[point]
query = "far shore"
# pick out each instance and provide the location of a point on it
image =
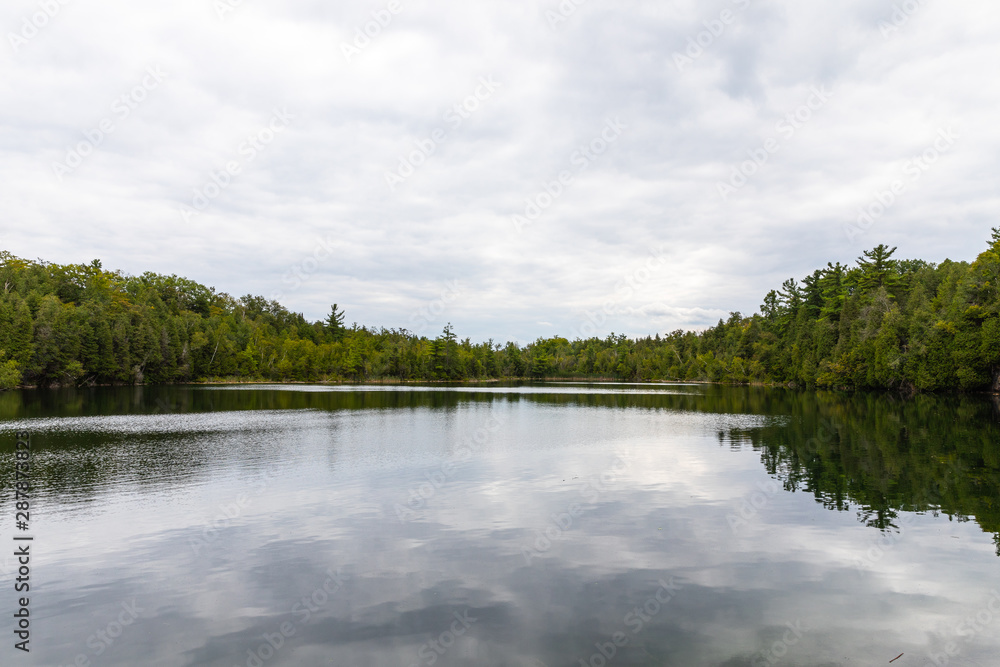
(906, 391)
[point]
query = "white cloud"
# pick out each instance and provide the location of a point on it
(656, 185)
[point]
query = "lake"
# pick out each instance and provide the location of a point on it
(523, 525)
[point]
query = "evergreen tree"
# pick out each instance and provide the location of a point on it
(878, 269)
(335, 324)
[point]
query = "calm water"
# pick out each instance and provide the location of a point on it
(553, 525)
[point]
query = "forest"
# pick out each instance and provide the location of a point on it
(884, 323)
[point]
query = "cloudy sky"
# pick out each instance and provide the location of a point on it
(519, 169)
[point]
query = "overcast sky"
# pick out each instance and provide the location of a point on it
(505, 166)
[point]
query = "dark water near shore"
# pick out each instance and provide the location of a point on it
(553, 525)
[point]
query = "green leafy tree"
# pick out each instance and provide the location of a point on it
(878, 269)
(906, 325)
(10, 372)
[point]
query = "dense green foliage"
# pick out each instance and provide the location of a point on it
(884, 323)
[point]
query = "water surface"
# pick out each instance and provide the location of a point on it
(551, 525)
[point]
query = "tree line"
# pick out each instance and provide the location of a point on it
(882, 323)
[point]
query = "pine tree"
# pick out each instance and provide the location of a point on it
(878, 269)
(335, 324)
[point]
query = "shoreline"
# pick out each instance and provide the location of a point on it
(907, 392)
